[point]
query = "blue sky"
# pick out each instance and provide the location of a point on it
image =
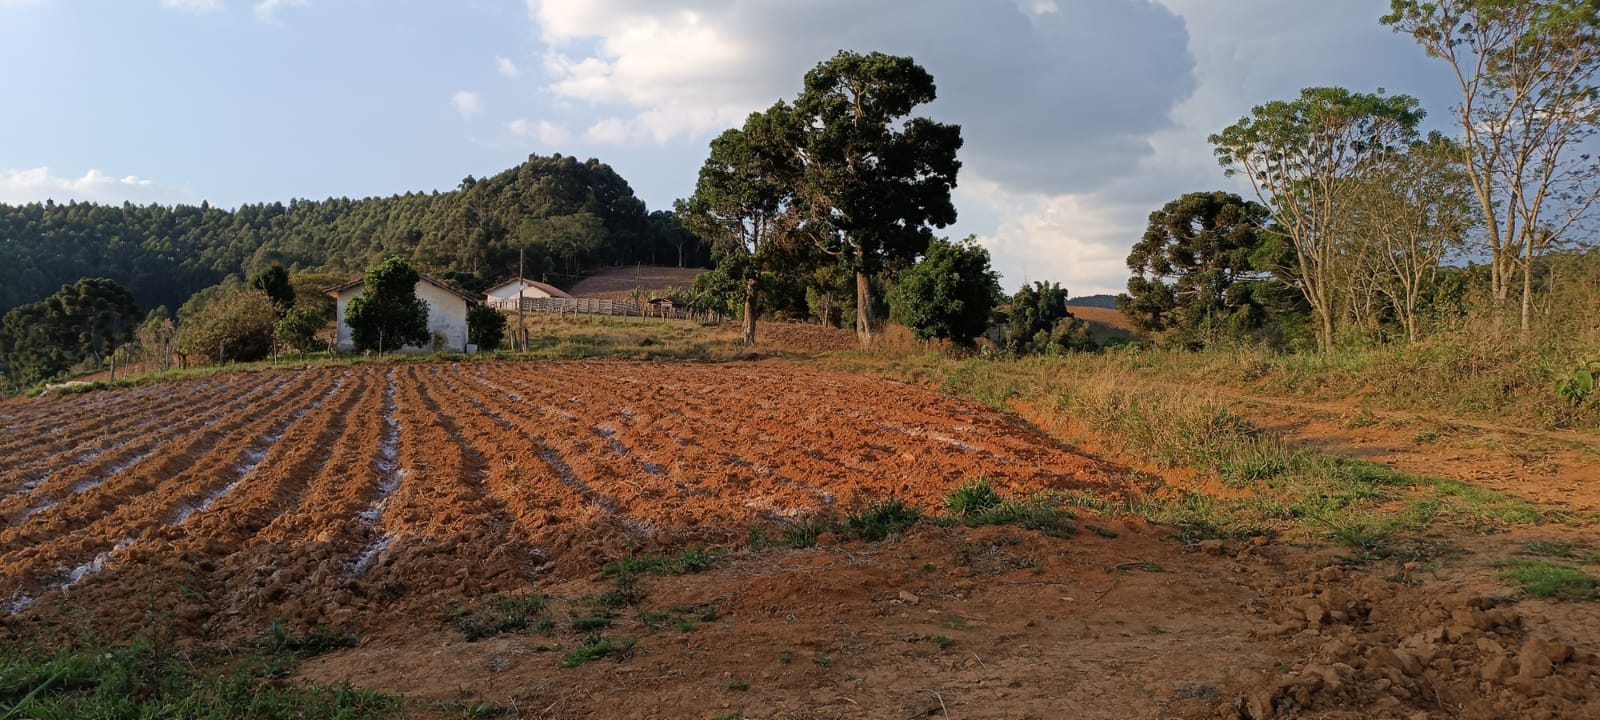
(1080, 116)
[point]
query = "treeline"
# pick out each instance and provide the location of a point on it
(560, 213)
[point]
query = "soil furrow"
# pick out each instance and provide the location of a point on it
(131, 503)
(139, 439)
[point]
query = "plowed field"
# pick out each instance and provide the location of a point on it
(322, 495)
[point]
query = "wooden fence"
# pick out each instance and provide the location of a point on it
(597, 306)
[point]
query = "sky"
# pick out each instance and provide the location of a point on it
(1080, 117)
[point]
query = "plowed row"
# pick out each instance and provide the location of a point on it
(326, 495)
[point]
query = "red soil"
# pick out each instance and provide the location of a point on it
(379, 499)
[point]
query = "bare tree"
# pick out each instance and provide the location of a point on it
(1409, 210)
(1530, 103)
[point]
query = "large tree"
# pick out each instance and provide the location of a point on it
(873, 177)
(949, 294)
(388, 314)
(233, 325)
(1300, 156)
(1193, 266)
(1530, 103)
(743, 203)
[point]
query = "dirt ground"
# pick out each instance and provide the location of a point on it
(383, 500)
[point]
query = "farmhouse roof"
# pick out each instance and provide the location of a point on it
(431, 280)
(548, 289)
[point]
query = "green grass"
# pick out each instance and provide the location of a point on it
(498, 614)
(880, 519)
(689, 561)
(145, 680)
(1553, 580)
(594, 647)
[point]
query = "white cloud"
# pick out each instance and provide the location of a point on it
(267, 10)
(546, 133)
(193, 6)
(1080, 241)
(507, 68)
(38, 184)
(610, 131)
(467, 103)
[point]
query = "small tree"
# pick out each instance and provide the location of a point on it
(486, 327)
(234, 326)
(388, 314)
(1039, 322)
(949, 294)
(298, 330)
(274, 281)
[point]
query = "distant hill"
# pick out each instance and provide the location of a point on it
(1098, 301)
(568, 214)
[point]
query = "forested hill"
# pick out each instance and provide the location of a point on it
(568, 214)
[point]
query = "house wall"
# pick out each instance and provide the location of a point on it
(447, 314)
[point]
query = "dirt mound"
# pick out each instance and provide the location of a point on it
(619, 283)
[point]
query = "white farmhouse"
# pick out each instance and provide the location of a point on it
(504, 296)
(447, 312)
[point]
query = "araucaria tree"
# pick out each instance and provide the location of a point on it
(873, 179)
(388, 314)
(1530, 103)
(1300, 157)
(949, 294)
(743, 203)
(1192, 268)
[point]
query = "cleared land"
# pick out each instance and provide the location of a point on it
(463, 521)
(619, 283)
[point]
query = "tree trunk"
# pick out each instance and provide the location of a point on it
(863, 309)
(749, 334)
(1526, 325)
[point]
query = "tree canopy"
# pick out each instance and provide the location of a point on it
(1299, 156)
(875, 178)
(388, 314)
(85, 320)
(1193, 266)
(950, 294)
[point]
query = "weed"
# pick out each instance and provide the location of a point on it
(879, 520)
(802, 532)
(942, 641)
(594, 647)
(1423, 437)
(972, 499)
(1362, 419)
(739, 684)
(499, 614)
(786, 657)
(146, 680)
(320, 640)
(1546, 579)
(822, 659)
(1552, 548)
(689, 561)
(591, 623)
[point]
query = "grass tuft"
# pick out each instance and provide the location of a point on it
(1553, 580)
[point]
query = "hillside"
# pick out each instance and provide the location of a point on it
(566, 213)
(619, 283)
